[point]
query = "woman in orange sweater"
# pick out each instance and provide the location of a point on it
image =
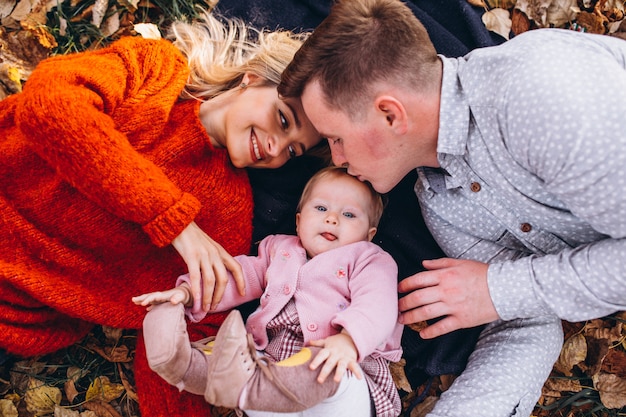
(122, 168)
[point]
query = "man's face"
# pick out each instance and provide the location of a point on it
(363, 145)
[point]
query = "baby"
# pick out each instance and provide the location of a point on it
(327, 300)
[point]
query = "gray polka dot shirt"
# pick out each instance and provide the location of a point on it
(532, 148)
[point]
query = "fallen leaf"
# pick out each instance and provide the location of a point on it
(130, 391)
(114, 354)
(99, 10)
(520, 23)
(612, 390)
(477, 3)
(101, 408)
(399, 376)
(147, 30)
(573, 352)
(536, 10)
(40, 398)
(7, 408)
(65, 412)
(562, 12)
(103, 389)
(498, 21)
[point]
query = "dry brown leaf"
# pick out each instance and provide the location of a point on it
(101, 409)
(596, 351)
(612, 390)
(573, 352)
(604, 329)
(114, 354)
(562, 12)
(501, 4)
(424, 407)
(112, 334)
(417, 327)
(40, 398)
(498, 21)
(130, 391)
(615, 363)
(103, 389)
(65, 412)
(560, 385)
(99, 10)
(536, 10)
(7, 408)
(477, 3)
(591, 22)
(520, 23)
(399, 376)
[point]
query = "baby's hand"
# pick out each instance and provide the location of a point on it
(181, 294)
(338, 353)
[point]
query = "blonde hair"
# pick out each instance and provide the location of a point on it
(220, 51)
(375, 207)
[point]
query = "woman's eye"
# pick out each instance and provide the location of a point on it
(292, 151)
(336, 141)
(349, 215)
(284, 123)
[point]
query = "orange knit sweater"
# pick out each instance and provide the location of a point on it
(101, 166)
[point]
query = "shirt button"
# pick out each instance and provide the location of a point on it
(312, 327)
(286, 289)
(475, 187)
(526, 227)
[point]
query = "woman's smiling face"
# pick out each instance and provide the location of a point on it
(262, 131)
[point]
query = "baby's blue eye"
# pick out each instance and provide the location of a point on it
(349, 215)
(320, 208)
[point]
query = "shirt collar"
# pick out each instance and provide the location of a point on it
(454, 110)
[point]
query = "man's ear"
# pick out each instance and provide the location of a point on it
(393, 111)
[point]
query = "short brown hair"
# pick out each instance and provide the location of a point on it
(360, 43)
(376, 206)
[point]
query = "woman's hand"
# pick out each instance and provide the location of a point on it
(208, 263)
(339, 353)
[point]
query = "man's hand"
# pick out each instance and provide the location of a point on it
(454, 289)
(339, 353)
(208, 262)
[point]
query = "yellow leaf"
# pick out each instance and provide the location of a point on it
(7, 408)
(40, 398)
(103, 389)
(498, 21)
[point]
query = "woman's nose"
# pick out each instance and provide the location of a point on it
(275, 146)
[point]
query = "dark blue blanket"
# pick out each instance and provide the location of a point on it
(455, 28)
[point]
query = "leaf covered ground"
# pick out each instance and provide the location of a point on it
(94, 378)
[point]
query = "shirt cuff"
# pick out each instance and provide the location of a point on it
(512, 290)
(169, 224)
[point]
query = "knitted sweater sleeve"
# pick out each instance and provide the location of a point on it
(67, 115)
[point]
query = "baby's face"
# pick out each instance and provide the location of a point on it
(335, 214)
